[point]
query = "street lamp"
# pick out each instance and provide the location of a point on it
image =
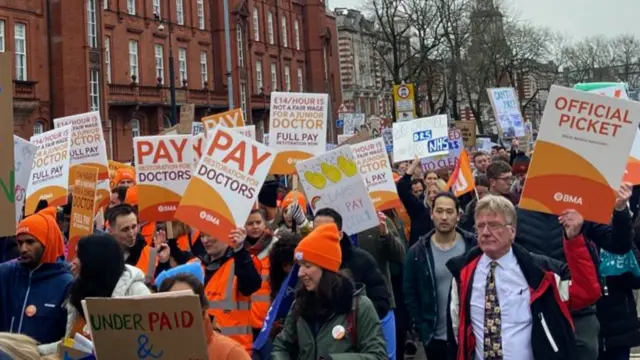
(172, 76)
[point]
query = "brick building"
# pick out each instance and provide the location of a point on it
(116, 60)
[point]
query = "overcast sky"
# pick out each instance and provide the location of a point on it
(575, 18)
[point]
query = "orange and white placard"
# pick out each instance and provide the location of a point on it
(226, 184)
(231, 119)
(297, 128)
(374, 166)
(248, 131)
(581, 153)
(85, 189)
(163, 169)
(88, 149)
(198, 142)
(49, 178)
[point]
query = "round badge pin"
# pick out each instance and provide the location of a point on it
(30, 310)
(338, 332)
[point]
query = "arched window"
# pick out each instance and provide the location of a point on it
(38, 127)
(135, 127)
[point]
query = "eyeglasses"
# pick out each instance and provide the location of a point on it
(492, 226)
(507, 178)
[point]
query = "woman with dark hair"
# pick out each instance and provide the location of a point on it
(220, 347)
(100, 271)
(329, 318)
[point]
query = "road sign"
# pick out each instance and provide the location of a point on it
(403, 92)
(339, 123)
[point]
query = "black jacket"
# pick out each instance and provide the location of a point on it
(419, 214)
(363, 269)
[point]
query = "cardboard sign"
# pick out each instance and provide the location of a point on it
(49, 178)
(468, 131)
(581, 154)
(424, 137)
(374, 166)
(113, 168)
(248, 131)
(230, 119)
(297, 128)
(82, 207)
(88, 148)
(197, 128)
(355, 139)
(332, 180)
(226, 183)
(24, 153)
(7, 176)
(342, 138)
(446, 161)
(182, 128)
(187, 112)
(158, 326)
(163, 170)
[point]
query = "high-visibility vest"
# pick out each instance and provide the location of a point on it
(261, 299)
(231, 309)
(148, 262)
(183, 240)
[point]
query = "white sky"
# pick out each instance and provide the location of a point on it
(574, 18)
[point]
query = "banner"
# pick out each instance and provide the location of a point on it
(374, 166)
(226, 184)
(581, 153)
(232, 118)
(88, 148)
(422, 137)
(332, 180)
(448, 161)
(297, 128)
(506, 109)
(163, 170)
(82, 206)
(49, 178)
(7, 175)
(24, 152)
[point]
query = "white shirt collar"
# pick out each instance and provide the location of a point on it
(506, 261)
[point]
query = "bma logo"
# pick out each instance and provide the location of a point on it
(566, 198)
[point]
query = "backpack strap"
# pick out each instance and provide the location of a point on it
(352, 328)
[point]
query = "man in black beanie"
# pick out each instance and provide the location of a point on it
(268, 201)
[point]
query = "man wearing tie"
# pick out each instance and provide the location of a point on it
(509, 304)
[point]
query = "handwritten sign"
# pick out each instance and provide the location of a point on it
(468, 131)
(150, 327)
(163, 170)
(507, 112)
(7, 176)
(422, 137)
(232, 118)
(297, 128)
(374, 165)
(226, 183)
(82, 207)
(352, 123)
(49, 178)
(187, 111)
(24, 153)
(332, 180)
(446, 161)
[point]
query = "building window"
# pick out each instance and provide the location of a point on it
(285, 41)
(159, 54)
(182, 64)
(243, 100)
(131, 7)
(287, 78)
(92, 37)
(133, 60)
(135, 127)
(300, 81)
(270, 27)
(107, 57)
(38, 127)
(204, 74)
(180, 12)
(240, 36)
(259, 83)
(94, 89)
(1, 35)
(20, 48)
(296, 33)
(200, 10)
(256, 25)
(274, 78)
(156, 7)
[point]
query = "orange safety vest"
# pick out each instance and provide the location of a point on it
(183, 241)
(231, 310)
(148, 262)
(261, 299)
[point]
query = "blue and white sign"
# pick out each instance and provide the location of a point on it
(507, 112)
(455, 145)
(424, 137)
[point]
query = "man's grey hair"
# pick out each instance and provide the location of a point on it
(498, 205)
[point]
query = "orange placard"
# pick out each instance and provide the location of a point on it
(232, 118)
(82, 207)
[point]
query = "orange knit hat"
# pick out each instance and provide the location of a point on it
(44, 228)
(321, 247)
(294, 196)
(124, 173)
(132, 196)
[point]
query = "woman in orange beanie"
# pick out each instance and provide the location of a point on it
(294, 213)
(339, 320)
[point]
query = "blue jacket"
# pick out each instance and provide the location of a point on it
(46, 288)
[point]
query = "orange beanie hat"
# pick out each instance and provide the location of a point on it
(124, 173)
(132, 196)
(44, 228)
(294, 196)
(321, 247)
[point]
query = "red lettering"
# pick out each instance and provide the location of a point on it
(257, 160)
(179, 147)
(145, 148)
(187, 319)
(153, 318)
(197, 147)
(164, 322)
(237, 155)
(221, 141)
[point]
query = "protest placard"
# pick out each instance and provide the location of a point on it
(232, 118)
(82, 206)
(158, 326)
(468, 131)
(265, 139)
(342, 138)
(332, 180)
(581, 153)
(297, 128)
(24, 152)
(7, 175)
(445, 161)
(248, 131)
(226, 184)
(163, 169)
(387, 137)
(88, 148)
(197, 143)
(422, 137)
(352, 123)
(187, 112)
(506, 109)
(374, 166)
(113, 168)
(49, 179)
(197, 128)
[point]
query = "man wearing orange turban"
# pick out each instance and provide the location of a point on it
(33, 289)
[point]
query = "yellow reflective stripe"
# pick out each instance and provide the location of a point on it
(260, 298)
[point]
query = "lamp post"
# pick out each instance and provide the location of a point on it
(172, 75)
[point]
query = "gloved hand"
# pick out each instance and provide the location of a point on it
(295, 213)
